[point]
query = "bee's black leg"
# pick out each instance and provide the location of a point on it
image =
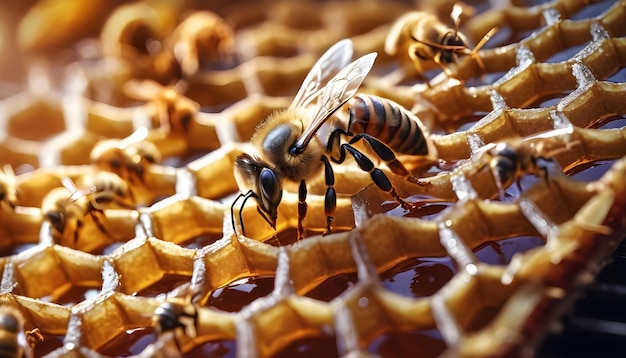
(378, 176)
(334, 140)
(96, 216)
(232, 214)
(387, 155)
(504, 172)
(330, 199)
(417, 62)
(383, 152)
(79, 226)
(301, 207)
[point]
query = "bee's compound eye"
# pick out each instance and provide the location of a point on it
(185, 119)
(9, 322)
(270, 186)
(166, 317)
(507, 151)
(57, 219)
(504, 169)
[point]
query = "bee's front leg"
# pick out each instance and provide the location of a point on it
(301, 207)
(417, 61)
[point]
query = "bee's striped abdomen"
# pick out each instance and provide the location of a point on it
(389, 122)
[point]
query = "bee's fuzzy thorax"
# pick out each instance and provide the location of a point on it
(276, 134)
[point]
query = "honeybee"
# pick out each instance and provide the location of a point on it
(430, 43)
(133, 29)
(65, 207)
(291, 146)
(11, 334)
(511, 159)
(128, 157)
(167, 107)
(8, 187)
(176, 317)
(203, 37)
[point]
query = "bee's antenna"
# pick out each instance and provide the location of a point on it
(455, 15)
(246, 196)
(484, 40)
(438, 45)
(480, 44)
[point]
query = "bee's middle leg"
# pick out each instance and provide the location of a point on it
(302, 207)
(99, 217)
(413, 55)
(330, 198)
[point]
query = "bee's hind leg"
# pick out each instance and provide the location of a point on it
(388, 156)
(378, 176)
(384, 153)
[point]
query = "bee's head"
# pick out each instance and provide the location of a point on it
(451, 40)
(57, 220)
(53, 208)
(260, 181)
(4, 189)
(166, 317)
(9, 322)
(505, 163)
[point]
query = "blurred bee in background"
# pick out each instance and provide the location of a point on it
(176, 318)
(203, 38)
(510, 160)
(296, 144)
(167, 107)
(66, 207)
(430, 43)
(8, 187)
(12, 340)
(129, 158)
(133, 31)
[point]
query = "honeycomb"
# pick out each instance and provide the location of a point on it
(471, 269)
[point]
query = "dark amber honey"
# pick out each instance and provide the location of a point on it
(333, 287)
(214, 349)
(395, 344)
(500, 252)
(235, 296)
(77, 294)
(423, 207)
(166, 284)
(129, 343)
(49, 344)
(201, 241)
(419, 277)
(311, 347)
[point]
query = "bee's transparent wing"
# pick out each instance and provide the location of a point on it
(337, 92)
(396, 30)
(333, 60)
